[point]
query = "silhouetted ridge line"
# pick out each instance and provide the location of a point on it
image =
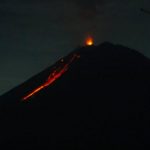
(102, 99)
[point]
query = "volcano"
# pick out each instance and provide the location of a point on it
(97, 96)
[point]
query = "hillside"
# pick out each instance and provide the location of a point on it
(96, 96)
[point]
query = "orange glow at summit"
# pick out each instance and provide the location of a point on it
(89, 41)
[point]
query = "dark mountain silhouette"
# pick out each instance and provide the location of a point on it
(101, 100)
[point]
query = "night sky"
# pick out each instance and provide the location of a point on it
(34, 33)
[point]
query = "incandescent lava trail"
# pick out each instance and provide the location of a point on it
(54, 75)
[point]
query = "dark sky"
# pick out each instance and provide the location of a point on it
(35, 33)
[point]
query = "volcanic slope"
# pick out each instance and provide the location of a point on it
(96, 96)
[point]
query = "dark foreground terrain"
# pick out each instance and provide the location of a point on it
(102, 101)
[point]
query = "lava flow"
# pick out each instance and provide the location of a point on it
(58, 72)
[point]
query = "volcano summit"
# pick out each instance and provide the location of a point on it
(96, 97)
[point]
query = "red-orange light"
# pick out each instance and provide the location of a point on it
(89, 41)
(57, 73)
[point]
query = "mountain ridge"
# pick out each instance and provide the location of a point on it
(102, 99)
(48, 69)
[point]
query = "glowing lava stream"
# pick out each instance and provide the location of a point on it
(58, 72)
